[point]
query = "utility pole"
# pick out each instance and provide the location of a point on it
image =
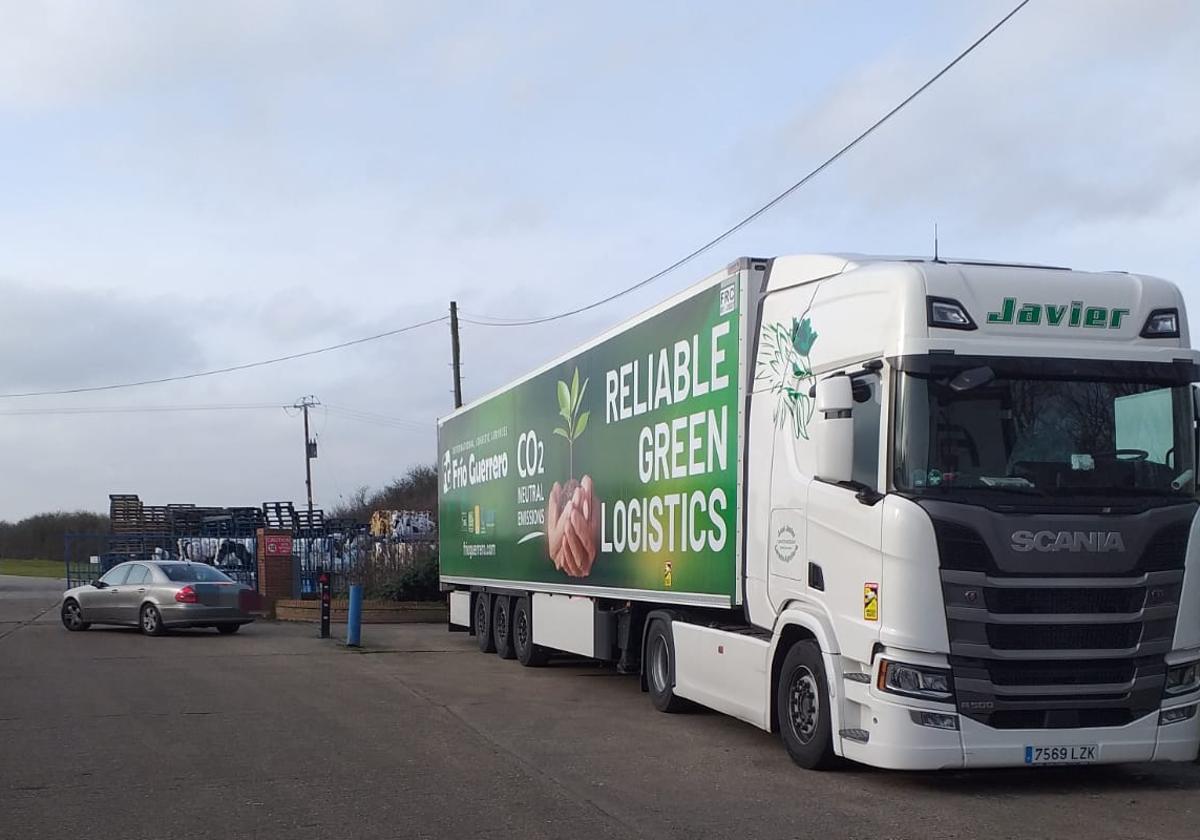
(454, 358)
(310, 448)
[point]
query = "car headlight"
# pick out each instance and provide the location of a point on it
(1182, 679)
(915, 680)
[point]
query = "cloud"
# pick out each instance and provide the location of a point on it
(59, 337)
(1059, 116)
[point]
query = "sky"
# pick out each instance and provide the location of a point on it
(191, 186)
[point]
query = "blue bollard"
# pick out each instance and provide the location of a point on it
(354, 616)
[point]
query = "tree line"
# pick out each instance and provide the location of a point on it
(41, 537)
(415, 490)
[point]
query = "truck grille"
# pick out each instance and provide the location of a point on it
(1055, 649)
(1073, 637)
(1064, 601)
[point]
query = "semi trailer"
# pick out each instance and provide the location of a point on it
(913, 513)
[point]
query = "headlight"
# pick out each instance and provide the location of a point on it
(915, 680)
(1182, 679)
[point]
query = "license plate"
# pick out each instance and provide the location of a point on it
(1073, 754)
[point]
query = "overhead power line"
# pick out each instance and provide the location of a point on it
(485, 321)
(131, 409)
(230, 369)
(337, 411)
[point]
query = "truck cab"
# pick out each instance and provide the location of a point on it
(972, 487)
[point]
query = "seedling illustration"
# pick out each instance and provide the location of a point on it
(570, 398)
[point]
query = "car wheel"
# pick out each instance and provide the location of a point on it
(483, 623)
(228, 629)
(802, 701)
(502, 627)
(151, 620)
(528, 654)
(72, 616)
(660, 679)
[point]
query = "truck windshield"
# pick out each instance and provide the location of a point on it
(1008, 432)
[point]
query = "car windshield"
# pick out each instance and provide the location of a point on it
(999, 432)
(193, 573)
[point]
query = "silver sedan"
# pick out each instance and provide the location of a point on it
(157, 595)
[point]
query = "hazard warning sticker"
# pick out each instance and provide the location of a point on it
(870, 601)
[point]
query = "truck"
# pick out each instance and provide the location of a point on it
(913, 513)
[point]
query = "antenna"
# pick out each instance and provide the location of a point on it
(935, 242)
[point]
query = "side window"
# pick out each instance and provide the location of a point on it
(116, 577)
(137, 575)
(867, 409)
(1144, 422)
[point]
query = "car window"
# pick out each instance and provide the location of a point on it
(193, 573)
(116, 576)
(138, 574)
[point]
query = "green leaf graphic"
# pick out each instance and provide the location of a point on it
(564, 401)
(579, 399)
(575, 391)
(581, 423)
(562, 432)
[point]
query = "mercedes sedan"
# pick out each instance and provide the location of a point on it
(157, 596)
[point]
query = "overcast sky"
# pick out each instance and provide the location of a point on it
(186, 186)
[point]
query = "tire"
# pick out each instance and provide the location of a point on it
(502, 626)
(659, 667)
(802, 702)
(150, 620)
(483, 623)
(228, 629)
(72, 616)
(528, 654)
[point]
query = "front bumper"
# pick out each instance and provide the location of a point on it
(897, 742)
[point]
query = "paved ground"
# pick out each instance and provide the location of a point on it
(275, 734)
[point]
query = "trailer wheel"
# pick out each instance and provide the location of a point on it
(528, 654)
(802, 702)
(483, 623)
(660, 668)
(502, 626)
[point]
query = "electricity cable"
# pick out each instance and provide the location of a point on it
(485, 321)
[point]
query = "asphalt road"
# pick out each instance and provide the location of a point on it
(273, 733)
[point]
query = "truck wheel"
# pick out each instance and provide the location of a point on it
(483, 623)
(502, 626)
(802, 701)
(660, 671)
(528, 654)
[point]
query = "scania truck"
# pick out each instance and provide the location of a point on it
(913, 513)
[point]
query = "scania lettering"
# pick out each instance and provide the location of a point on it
(916, 514)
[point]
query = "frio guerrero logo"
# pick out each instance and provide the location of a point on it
(1097, 542)
(1057, 315)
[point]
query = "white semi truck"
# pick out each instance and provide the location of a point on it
(918, 514)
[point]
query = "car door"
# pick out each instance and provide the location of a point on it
(99, 603)
(133, 592)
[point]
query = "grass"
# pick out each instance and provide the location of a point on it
(32, 568)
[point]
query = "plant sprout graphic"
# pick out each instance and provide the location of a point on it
(569, 400)
(783, 363)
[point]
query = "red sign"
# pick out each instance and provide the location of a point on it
(278, 545)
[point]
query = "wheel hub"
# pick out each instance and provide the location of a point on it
(660, 664)
(804, 704)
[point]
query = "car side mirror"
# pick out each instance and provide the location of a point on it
(835, 428)
(99, 584)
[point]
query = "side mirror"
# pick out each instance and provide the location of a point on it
(835, 428)
(99, 584)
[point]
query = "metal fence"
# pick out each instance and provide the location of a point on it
(357, 558)
(88, 556)
(349, 557)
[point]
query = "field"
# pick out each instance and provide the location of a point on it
(32, 568)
